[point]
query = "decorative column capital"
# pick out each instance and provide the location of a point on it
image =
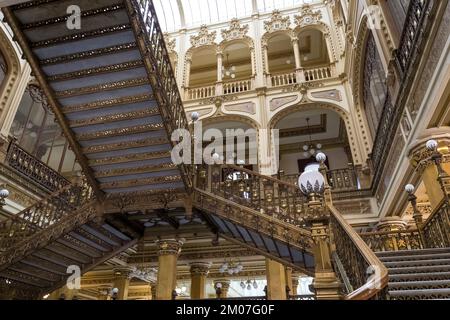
(122, 272)
(200, 268)
(223, 284)
(169, 247)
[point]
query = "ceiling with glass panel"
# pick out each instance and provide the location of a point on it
(176, 14)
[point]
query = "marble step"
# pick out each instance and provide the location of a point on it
(416, 263)
(425, 294)
(413, 285)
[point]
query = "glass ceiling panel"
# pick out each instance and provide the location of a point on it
(176, 14)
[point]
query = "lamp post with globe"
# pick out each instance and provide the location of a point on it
(443, 177)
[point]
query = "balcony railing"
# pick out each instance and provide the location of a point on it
(312, 74)
(279, 80)
(25, 163)
(237, 86)
(393, 240)
(201, 92)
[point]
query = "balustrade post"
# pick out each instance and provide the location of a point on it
(219, 84)
(326, 284)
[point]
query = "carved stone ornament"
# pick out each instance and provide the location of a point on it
(200, 268)
(235, 31)
(307, 17)
(277, 22)
(328, 94)
(204, 38)
(170, 43)
(277, 103)
(169, 247)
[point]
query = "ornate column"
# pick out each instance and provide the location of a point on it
(122, 282)
(219, 87)
(289, 281)
(294, 285)
(298, 64)
(153, 291)
(266, 64)
(222, 286)
(167, 267)
(199, 272)
(325, 283)
(422, 161)
(276, 280)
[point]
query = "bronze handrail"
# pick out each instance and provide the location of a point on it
(358, 259)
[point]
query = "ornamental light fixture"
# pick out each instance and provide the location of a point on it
(228, 70)
(310, 149)
(231, 267)
(311, 182)
(4, 193)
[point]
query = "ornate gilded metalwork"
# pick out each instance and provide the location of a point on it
(142, 169)
(98, 70)
(34, 169)
(130, 157)
(161, 75)
(358, 261)
(120, 131)
(393, 240)
(140, 182)
(89, 54)
(45, 221)
(80, 36)
(102, 87)
(436, 230)
(115, 117)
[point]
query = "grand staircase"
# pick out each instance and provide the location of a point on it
(111, 87)
(418, 274)
(112, 90)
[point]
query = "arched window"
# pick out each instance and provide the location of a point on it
(375, 87)
(36, 131)
(3, 69)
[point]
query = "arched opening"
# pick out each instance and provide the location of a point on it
(36, 131)
(238, 140)
(374, 85)
(236, 67)
(203, 73)
(280, 54)
(313, 48)
(303, 134)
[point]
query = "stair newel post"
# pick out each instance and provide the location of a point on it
(313, 183)
(417, 215)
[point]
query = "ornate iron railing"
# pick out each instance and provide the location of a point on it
(44, 214)
(412, 29)
(393, 240)
(150, 39)
(412, 41)
(25, 163)
(436, 230)
(302, 297)
(339, 179)
(272, 197)
(365, 273)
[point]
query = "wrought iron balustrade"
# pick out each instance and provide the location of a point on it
(44, 214)
(436, 229)
(162, 77)
(412, 30)
(302, 297)
(365, 274)
(393, 240)
(339, 179)
(25, 163)
(278, 199)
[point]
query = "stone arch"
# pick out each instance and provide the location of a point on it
(358, 78)
(232, 117)
(265, 42)
(345, 116)
(12, 78)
